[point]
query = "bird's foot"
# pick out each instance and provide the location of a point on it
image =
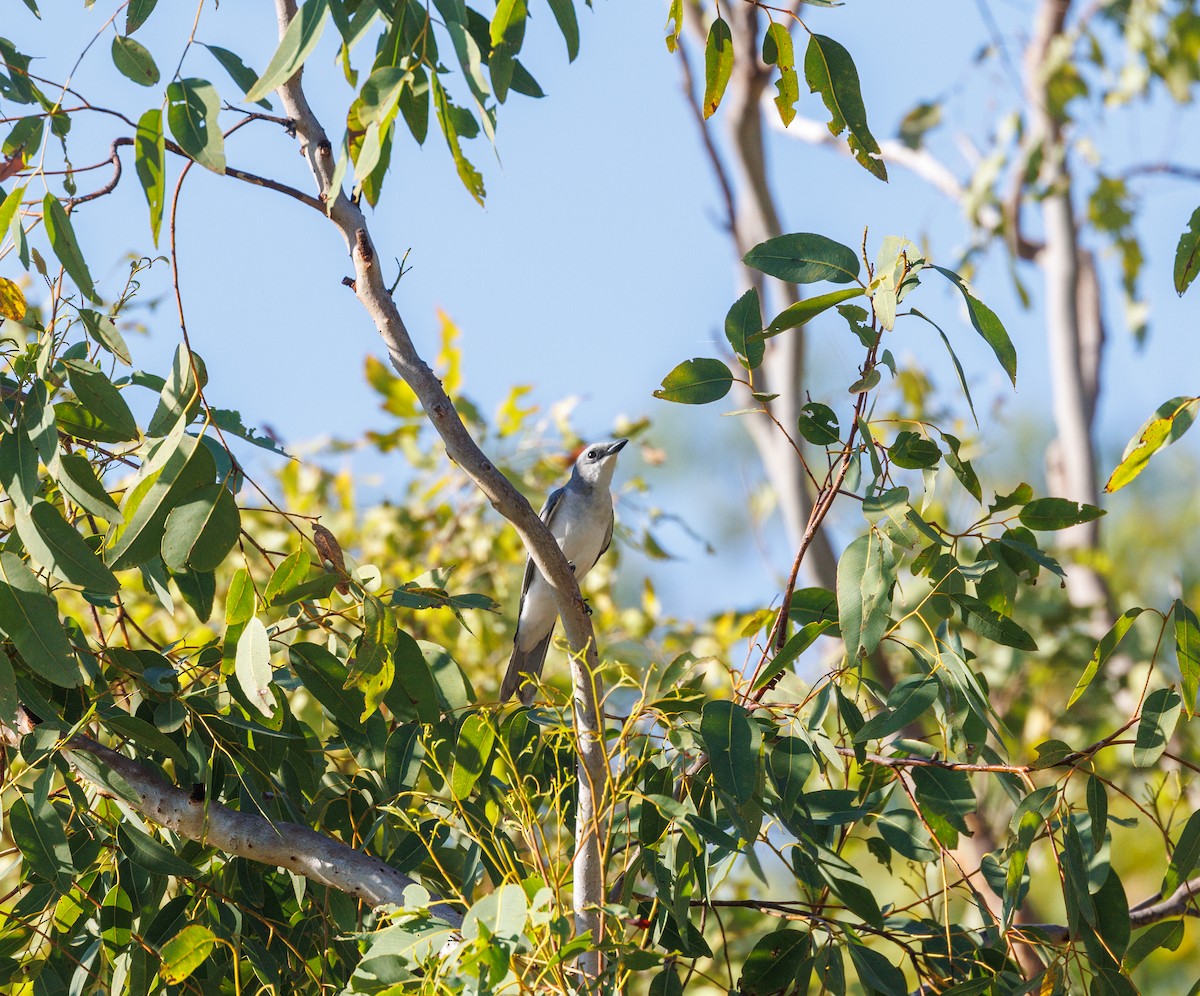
(587, 606)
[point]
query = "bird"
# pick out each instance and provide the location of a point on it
(580, 515)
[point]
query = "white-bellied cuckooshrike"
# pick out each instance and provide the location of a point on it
(580, 515)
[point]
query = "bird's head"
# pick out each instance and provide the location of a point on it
(596, 462)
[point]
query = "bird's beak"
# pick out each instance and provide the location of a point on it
(616, 447)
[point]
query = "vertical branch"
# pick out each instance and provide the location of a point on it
(372, 293)
(754, 218)
(1073, 323)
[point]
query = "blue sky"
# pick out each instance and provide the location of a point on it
(598, 262)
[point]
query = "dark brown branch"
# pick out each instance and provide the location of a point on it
(237, 174)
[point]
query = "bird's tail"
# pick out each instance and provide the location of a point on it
(523, 668)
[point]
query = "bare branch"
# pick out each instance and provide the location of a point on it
(369, 287)
(286, 845)
(237, 174)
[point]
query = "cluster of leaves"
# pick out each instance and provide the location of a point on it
(828, 70)
(948, 761)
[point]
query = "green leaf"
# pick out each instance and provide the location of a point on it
(718, 65)
(1187, 653)
(696, 382)
(730, 741)
(865, 574)
(1170, 421)
(180, 394)
(192, 110)
(804, 258)
(674, 24)
(1097, 806)
(9, 207)
(1184, 857)
(1160, 714)
(830, 71)
(777, 50)
(253, 666)
(238, 71)
(908, 701)
(772, 965)
(1075, 878)
(137, 538)
(467, 173)
(804, 311)
(19, 468)
(104, 331)
(742, 325)
(201, 530)
(790, 761)
(186, 952)
(323, 675)
(1187, 254)
(57, 546)
(1046, 514)
(1112, 916)
(66, 248)
(962, 468)
(292, 570)
(98, 395)
(136, 14)
(797, 643)
(77, 479)
(818, 424)
(913, 452)
(150, 163)
(240, 602)
(295, 46)
(849, 886)
(472, 755)
(667, 982)
(962, 378)
(499, 914)
(29, 617)
(987, 325)
(1104, 649)
(904, 832)
(564, 14)
(116, 917)
(877, 973)
(38, 831)
(145, 735)
(945, 798)
(1164, 934)
(980, 618)
(134, 61)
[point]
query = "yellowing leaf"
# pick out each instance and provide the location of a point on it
(12, 301)
(718, 65)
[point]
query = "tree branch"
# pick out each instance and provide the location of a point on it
(297, 848)
(594, 774)
(237, 174)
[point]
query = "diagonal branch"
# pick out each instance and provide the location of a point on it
(369, 287)
(316, 856)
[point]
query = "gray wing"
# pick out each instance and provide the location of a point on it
(546, 515)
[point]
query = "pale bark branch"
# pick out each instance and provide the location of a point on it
(306, 852)
(594, 774)
(753, 218)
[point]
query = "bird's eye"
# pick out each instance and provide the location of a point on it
(592, 454)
